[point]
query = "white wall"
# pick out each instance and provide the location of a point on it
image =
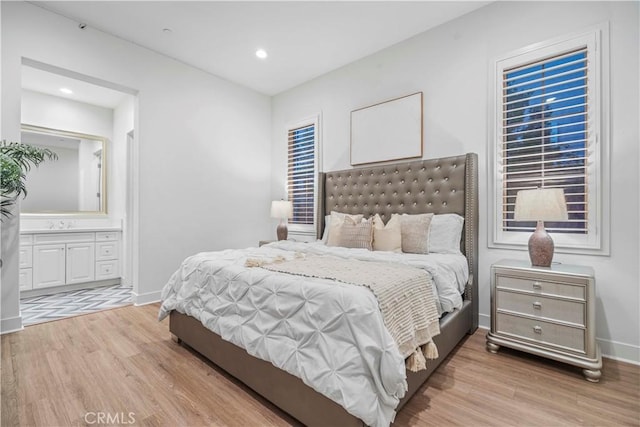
(123, 117)
(203, 143)
(452, 66)
(39, 109)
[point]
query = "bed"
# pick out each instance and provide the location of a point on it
(439, 186)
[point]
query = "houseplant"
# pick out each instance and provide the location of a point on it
(16, 160)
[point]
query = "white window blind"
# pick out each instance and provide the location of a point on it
(548, 135)
(301, 173)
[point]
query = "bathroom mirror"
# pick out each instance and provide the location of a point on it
(75, 183)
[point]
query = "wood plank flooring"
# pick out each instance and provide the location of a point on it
(122, 364)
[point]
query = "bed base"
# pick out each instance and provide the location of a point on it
(288, 392)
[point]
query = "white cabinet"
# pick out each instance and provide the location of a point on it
(48, 265)
(68, 258)
(107, 255)
(80, 262)
(26, 279)
(26, 263)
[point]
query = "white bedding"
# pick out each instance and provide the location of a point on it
(329, 334)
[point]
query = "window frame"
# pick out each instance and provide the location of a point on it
(596, 240)
(305, 230)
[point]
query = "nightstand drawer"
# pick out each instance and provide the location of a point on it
(541, 287)
(543, 307)
(559, 336)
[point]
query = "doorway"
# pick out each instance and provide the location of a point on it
(94, 107)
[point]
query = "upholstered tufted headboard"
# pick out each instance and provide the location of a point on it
(446, 185)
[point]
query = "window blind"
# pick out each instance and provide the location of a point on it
(301, 173)
(546, 136)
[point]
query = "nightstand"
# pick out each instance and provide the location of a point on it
(547, 311)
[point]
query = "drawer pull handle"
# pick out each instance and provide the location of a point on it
(537, 305)
(537, 285)
(537, 329)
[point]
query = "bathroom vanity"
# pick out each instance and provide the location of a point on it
(63, 259)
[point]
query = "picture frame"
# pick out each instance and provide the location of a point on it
(388, 130)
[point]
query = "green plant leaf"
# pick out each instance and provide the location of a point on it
(16, 160)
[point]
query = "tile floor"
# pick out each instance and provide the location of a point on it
(73, 303)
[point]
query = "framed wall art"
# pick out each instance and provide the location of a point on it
(389, 130)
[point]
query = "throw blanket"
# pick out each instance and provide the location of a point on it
(404, 294)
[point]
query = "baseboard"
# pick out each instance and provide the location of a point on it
(144, 299)
(619, 351)
(610, 349)
(484, 321)
(12, 324)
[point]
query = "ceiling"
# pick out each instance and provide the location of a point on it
(303, 39)
(50, 83)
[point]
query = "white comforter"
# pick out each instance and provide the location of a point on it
(329, 334)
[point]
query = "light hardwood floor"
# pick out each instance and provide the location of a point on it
(123, 361)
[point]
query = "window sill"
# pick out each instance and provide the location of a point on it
(558, 249)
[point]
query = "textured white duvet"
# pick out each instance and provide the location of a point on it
(329, 334)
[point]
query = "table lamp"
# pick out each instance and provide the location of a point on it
(543, 204)
(282, 209)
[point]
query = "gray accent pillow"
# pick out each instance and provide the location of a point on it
(415, 233)
(356, 234)
(335, 223)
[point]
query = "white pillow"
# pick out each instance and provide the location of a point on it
(415, 233)
(387, 237)
(335, 222)
(325, 233)
(445, 234)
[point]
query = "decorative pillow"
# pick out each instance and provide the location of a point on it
(387, 237)
(356, 234)
(325, 233)
(335, 222)
(445, 233)
(415, 233)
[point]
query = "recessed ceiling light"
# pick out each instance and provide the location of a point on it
(65, 90)
(261, 53)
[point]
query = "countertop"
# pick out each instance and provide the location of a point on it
(69, 230)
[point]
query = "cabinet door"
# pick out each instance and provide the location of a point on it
(26, 257)
(80, 262)
(48, 266)
(26, 279)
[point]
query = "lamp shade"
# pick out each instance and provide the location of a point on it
(543, 204)
(281, 209)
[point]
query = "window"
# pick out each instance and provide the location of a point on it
(302, 171)
(548, 134)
